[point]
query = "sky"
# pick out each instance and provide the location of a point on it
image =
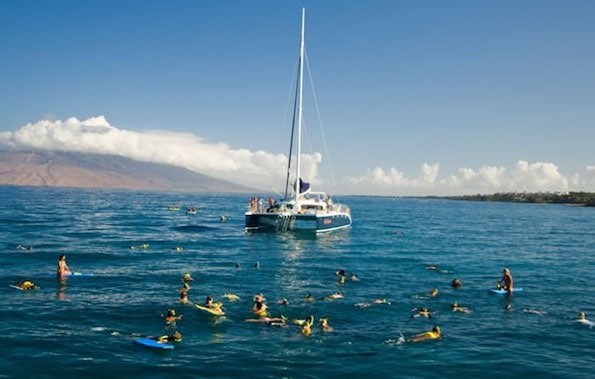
(403, 98)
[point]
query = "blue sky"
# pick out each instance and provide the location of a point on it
(415, 97)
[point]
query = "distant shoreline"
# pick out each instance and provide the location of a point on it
(586, 199)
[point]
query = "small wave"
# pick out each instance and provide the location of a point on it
(192, 228)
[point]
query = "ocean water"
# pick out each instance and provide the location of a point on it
(84, 327)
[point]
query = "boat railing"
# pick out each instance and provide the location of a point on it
(341, 208)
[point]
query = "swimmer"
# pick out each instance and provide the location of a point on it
(342, 279)
(238, 265)
(143, 246)
(340, 272)
(309, 297)
(26, 285)
(353, 277)
(23, 247)
(582, 318)
(508, 307)
(283, 301)
(231, 296)
(324, 326)
(380, 301)
(455, 308)
(257, 264)
(336, 295)
(423, 312)
(187, 278)
(171, 317)
(375, 301)
(272, 321)
(433, 334)
(534, 311)
(456, 283)
(184, 294)
(223, 218)
(178, 248)
(175, 337)
(433, 293)
(63, 267)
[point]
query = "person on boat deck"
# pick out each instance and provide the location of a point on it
(271, 207)
(506, 282)
(171, 316)
(62, 266)
(433, 334)
(175, 337)
(27, 285)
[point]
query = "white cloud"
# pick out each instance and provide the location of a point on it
(524, 176)
(261, 169)
(96, 135)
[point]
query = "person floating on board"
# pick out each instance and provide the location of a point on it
(456, 283)
(26, 285)
(307, 326)
(175, 337)
(63, 267)
(216, 305)
(506, 282)
(455, 308)
(171, 317)
(259, 308)
(433, 334)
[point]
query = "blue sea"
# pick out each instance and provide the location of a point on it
(399, 248)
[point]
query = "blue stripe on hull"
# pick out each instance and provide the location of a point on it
(276, 222)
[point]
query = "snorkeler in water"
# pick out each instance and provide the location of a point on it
(171, 317)
(423, 312)
(433, 334)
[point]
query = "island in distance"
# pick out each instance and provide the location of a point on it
(80, 170)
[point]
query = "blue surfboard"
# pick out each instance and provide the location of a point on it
(148, 342)
(500, 291)
(78, 274)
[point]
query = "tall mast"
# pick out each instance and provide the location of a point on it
(300, 106)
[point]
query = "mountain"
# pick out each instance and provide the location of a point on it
(64, 169)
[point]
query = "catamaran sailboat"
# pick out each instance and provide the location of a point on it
(302, 208)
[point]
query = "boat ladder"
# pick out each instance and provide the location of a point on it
(285, 222)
